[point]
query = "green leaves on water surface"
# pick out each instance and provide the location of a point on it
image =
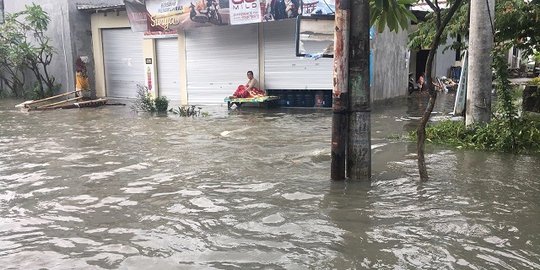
(494, 136)
(189, 111)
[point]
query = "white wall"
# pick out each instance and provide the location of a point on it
(59, 33)
(390, 65)
(444, 59)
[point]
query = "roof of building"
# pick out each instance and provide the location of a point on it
(101, 7)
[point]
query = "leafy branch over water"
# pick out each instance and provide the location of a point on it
(507, 132)
(494, 136)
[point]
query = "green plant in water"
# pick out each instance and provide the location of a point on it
(494, 136)
(505, 106)
(189, 111)
(536, 57)
(161, 104)
(507, 132)
(146, 103)
(143, 102)
(535, 81)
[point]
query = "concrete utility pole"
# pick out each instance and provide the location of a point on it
(359, 142)
(340, 92)
(479, 81)
(351, 126)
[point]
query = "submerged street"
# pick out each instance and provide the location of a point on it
(103, 188)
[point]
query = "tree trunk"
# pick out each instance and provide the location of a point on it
(479, 81)
(35, 70)
(421, 130)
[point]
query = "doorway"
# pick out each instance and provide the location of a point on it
(421, 59)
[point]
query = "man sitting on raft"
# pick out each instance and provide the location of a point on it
(250, 89)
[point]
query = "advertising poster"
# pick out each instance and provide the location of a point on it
(149, 76)
(245, 11)
(318, 7)
(137, 15)
(163, 18)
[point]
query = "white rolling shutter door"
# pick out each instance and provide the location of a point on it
(123, 59)
(283, 70)
(217, 59)
(168, 68)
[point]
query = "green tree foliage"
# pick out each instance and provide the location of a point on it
(39, 52)
(26, 47)
(12, 62)
(458, 26)
(518, 24)
(507, 132)
(394, 14)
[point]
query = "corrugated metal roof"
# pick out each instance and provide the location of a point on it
(100, 7)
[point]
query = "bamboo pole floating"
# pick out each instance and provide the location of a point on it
(50, 98)
(82, 104)
(59, 102)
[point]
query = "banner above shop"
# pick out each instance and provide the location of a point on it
(163, 18)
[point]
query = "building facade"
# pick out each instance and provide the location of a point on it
(70, 34)
(203, 65)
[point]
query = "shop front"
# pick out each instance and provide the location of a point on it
(204, 63)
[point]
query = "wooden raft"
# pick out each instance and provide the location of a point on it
(255, 100)
(83, 104)
(62, 101)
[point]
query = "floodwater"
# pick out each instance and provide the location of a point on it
(105, 188)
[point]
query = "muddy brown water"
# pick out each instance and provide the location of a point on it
(105, 188)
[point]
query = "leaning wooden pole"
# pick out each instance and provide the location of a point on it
(340, 93)
(359, 139)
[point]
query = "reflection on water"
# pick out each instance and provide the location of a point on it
(107, 188)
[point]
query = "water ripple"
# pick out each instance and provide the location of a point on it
(105, 188)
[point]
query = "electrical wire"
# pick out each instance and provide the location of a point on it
(333, 11)
(490, 18)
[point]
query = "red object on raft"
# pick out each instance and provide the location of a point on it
(242, 92)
